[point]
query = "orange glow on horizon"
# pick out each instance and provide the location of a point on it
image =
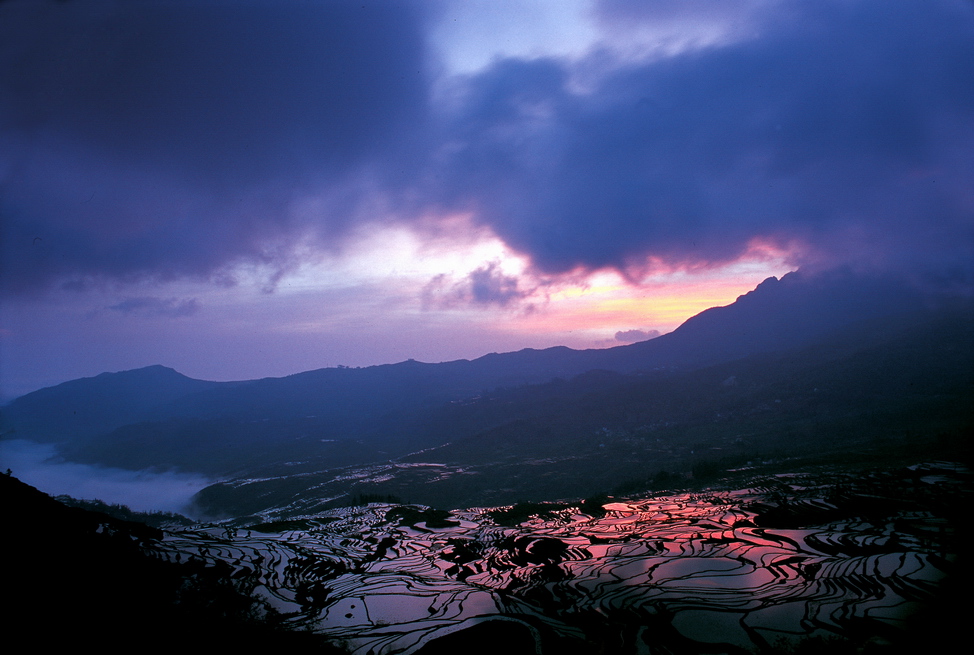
(394, 268)
(622, 308)
(606, 303)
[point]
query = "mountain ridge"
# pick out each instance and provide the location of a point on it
(88, 406)
(342, 415)
(795, 295)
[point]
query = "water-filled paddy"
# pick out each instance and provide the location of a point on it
(812, 555)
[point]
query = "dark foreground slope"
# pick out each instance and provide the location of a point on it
(75, 578)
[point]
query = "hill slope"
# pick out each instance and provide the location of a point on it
(867, 393)
(341, 416)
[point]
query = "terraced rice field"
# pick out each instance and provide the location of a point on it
(732, 571)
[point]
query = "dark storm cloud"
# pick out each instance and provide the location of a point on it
(170, 138)
(846, 125)
(234, 92)
(184, 139)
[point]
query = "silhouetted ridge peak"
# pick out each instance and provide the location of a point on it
(89, 406)
(767, 285)
(785, 313)
(153, 370)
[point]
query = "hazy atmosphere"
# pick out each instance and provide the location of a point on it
(493, 326)
(239, 190)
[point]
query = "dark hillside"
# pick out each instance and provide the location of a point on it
(777, 315)
(874, 391)
(78, 577)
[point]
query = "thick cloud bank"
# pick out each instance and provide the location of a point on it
(177, 138)
(188, 139)
(844, 127)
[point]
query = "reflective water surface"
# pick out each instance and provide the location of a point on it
(716, 571)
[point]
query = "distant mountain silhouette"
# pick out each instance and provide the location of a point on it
(156, 416)
(90, 406)
(777, 315)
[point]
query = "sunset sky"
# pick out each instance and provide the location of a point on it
(249, 189)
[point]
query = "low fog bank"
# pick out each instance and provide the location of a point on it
(40, 465)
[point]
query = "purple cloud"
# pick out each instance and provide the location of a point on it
(172, 139)
(844, 126)
(169, 140)
(153, 306)
(483, 287)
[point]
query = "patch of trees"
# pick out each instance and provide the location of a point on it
(125, 513)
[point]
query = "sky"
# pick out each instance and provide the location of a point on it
(249, 189)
